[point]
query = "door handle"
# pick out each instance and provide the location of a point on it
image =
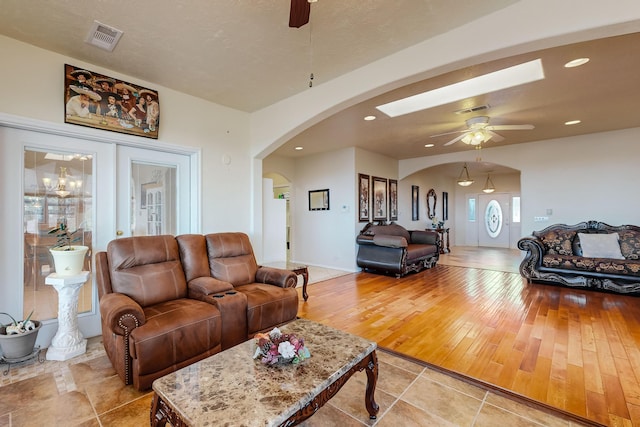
(119, 233)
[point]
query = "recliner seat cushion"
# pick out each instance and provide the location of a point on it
(175, 331)
(268, 305)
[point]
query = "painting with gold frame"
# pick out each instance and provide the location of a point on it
(103, 102)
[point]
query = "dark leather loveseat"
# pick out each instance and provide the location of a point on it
(167, 302)
(392, 249)
(558, 255)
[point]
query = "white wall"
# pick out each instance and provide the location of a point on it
(580, 178)
(324, 238)
(31, 82)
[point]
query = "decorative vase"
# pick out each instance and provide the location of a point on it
(19, 345)
(69, 263)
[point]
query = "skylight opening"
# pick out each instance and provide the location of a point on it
(502, 79)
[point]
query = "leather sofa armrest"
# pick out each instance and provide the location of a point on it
(364, 239)
(425, 237)
(121, 313)
(277, 277)
(203, 286)
(390, 241)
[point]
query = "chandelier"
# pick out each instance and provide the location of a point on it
(464, 180)
(488, 185)
(64, 181)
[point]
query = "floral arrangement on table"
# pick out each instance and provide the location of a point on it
(436, 223)
(276, 347)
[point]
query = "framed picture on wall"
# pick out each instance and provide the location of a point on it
(393, 200)
(379, 199)
(363, 197)
(445, 206)
(415, 211)
(103, 102)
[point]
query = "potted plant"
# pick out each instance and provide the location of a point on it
(18, 339)
(68, 259)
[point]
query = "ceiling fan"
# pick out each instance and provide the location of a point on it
(299, 12)
(479, 131)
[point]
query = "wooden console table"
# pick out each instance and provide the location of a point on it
(444, 239)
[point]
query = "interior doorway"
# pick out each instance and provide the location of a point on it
(282, 191)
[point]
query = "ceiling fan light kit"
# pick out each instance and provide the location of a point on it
(464, 179)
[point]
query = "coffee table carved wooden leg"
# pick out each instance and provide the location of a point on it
(372, 379)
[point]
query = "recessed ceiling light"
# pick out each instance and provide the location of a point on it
(572, 122)
(298, 148)
(428, 145)
(502, 79)
(369, 118)
(576, 62)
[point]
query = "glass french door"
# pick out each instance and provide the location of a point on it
(50, 174)
(153, 191)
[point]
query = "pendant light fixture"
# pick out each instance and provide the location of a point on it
(488, 185)
(464, 180)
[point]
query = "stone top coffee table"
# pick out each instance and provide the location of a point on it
(232, 388)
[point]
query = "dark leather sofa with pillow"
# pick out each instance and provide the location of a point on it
(392, 249)
(590, 254)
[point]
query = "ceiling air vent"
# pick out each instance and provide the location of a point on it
(473, 109)
(103, 36)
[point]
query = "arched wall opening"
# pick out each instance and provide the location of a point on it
(452, 200)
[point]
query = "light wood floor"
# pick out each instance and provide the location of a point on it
(575, 350)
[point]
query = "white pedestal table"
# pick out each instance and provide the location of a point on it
(68, 341)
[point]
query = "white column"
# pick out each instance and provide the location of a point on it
(68, 341)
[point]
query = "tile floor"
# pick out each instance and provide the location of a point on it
(85, 391)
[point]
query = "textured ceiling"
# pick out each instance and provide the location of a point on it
(242, 54)
(238, 53)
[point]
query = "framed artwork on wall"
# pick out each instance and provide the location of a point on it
(379, 199)
(103, 102)
(445, 206)
(415, 211)
(393, 200)
(319, 200)
(363, 198)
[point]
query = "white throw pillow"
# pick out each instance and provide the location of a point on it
(600, 245)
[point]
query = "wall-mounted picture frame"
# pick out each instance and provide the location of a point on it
(363, 198)
(319, 200)
(103, 102)
(379, 201)
(393, 200)
(445, 206)
(415, 206)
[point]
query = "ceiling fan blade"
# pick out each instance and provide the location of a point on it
(495, 137)
(450, 133)
(456, 139)
(510, 127)
(299, 13)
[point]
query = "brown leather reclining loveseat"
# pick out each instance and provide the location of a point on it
(167, 302)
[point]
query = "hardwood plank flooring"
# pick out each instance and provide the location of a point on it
(575, 350)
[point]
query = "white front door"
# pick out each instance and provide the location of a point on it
(493, 220)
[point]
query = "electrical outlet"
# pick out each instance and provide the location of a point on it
(540, 218)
